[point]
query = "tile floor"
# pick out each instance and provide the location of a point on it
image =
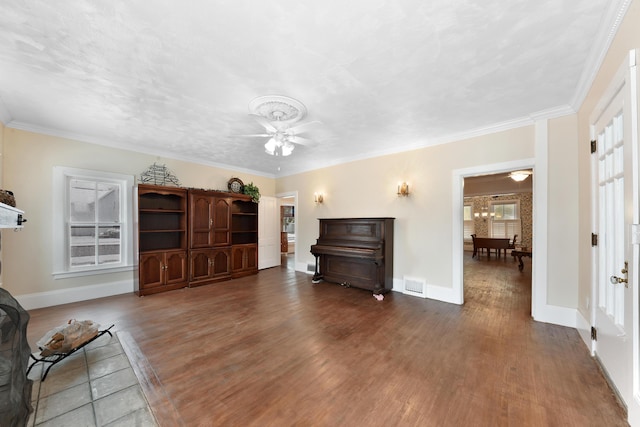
(95, 386)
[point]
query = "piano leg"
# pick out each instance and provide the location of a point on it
(317, 277)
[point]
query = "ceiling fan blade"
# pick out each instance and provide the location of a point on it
(256, 134)
(303, 127)
(300, 140)
(264, 122)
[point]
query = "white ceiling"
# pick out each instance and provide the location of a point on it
(174, 79)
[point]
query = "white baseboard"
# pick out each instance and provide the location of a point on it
(69, 295)
(438, 293)
(584, 329)
(556, 315)
(302, 267)
(443, 294)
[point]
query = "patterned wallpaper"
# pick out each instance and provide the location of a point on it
(526, 215)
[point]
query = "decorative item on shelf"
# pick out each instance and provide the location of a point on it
(519, 176)
(235, 185)
(318, 198)
(252, 191)
(159, 175)
(403, 189)
(7, 198)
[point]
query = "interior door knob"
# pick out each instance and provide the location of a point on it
(615, 279)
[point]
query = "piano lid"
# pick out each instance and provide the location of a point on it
(347, 230)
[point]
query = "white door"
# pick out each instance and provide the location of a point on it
(268, 232)
(616, 254)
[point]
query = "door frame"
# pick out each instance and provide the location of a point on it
(458, 206)
(293, 194)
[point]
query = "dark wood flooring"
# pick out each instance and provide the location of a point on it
(274, 349)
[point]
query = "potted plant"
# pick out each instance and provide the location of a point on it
(252, 191)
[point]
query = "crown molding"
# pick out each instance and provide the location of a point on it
(531, 119)
(552, 113)
(607, 31)
(129, 147)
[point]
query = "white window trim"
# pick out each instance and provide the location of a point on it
(60, 207)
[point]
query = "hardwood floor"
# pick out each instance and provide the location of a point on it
(273, 349)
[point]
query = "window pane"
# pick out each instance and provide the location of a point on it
(109, 245)
(505, 211)
(509, 211)
(82, 196)
(83, 248)
(108, 202)
(498, 211)
(467, 213)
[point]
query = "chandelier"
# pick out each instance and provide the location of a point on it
(519, 176)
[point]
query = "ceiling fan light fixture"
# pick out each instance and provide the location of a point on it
(287, 148)
(277, 114)
(270, 147)
(519, 176)
(278, 147)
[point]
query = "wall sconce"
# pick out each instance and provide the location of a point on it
(403, 189)
(318, 198)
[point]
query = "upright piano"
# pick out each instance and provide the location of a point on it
(355, 252)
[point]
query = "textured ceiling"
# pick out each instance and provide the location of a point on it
(175, 79)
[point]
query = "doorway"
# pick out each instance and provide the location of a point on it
(288, 229)
(459, 176)
(498, 211)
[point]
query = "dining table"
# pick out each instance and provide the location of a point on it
(498, 243)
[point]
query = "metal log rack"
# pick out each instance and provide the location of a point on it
(58, 357)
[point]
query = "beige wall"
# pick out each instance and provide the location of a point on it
(27, 167)
(627, 38)
(423, 229)
(562, 214)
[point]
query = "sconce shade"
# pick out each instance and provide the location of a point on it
(318, 198)
(403, 189)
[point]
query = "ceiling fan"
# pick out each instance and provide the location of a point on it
(277, 114)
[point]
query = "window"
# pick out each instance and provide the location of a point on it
(505, 218)
(504, 211)
(93, 221)
(469, 223)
